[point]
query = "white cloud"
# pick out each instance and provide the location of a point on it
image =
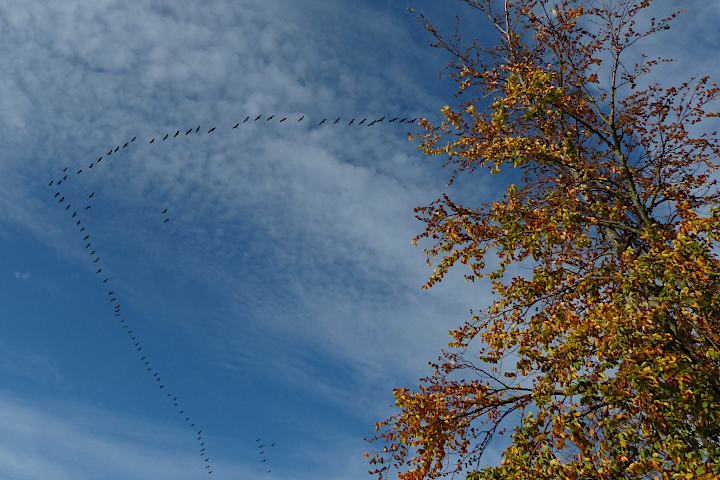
(61, 441)
(29, 364)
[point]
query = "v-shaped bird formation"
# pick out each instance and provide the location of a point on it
(80, 208)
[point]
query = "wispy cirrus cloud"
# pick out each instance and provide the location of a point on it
(22, 276)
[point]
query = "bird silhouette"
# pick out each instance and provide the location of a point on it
(133, 139)
(148, 369)
(164, 211)
(211, 129)
(322, 121)
(372, 123)
(58, 193)
(176, 134)
(64, 169)
(125, 145)
(272, 445)
(95, 261)
(401, 121)
(87, 208)
(256, 119)
(166, 220)
(301, 118)
(383, 118)
(92, 253)
(283, 119)
(110, 152)
(86, 237)
(188, 131)
(59, 182)
(63, 198)
(151, 141)
(263, 461)
(198, 129)
(351, 122)
(118, 148)
(74, 213)
(166, 137)
(261, 446)
(336, 121)
(79, 172)
(236, 125)
(82, 229)
(393, 119)
(93, 193)
(105, 281)
(99, 271)
(246, 119)
(270, 118)
(261, 452)
(67, 208)
(257, 440)
(412, 121)
(51, 182)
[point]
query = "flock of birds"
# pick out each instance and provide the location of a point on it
(83, 209)
(264, 459)
(285, 118)
(126, 325)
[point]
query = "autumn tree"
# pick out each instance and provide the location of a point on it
(615, 334)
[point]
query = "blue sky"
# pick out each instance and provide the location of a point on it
(282, 298)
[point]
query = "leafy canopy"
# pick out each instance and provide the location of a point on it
(616, 334)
